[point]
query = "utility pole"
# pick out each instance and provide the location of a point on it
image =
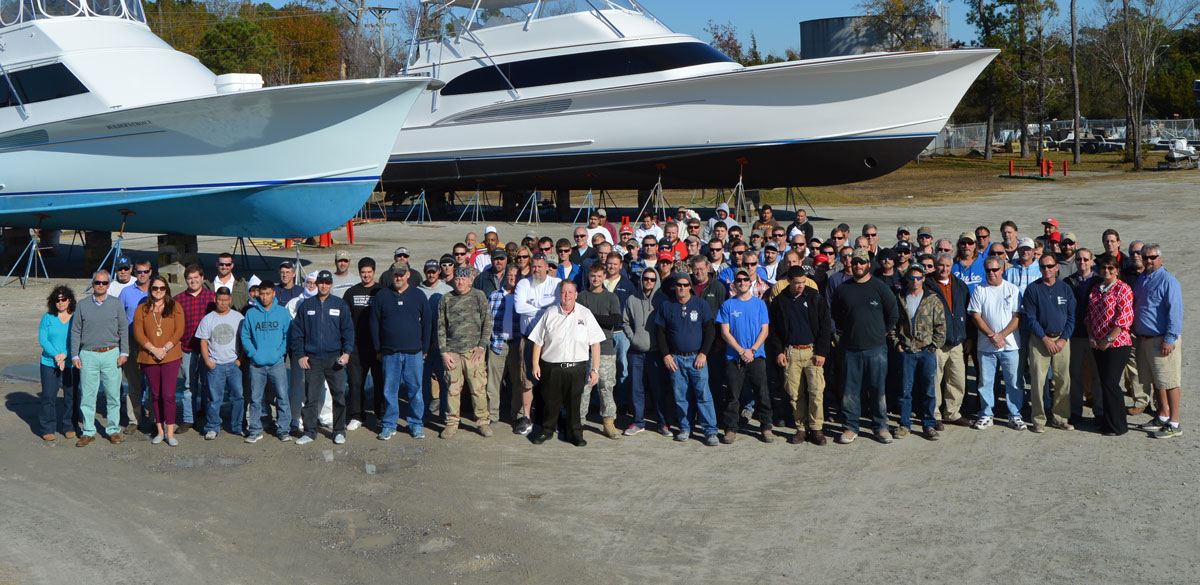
(380, 13)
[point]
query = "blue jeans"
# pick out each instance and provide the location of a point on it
(278, 374)
(645, 370)
(190, 394)
(222, 380)
(866, 370)
(918, 369)
(621, 347)
(48, 416)
(1007, 360)
(687, 377)
(402, 369)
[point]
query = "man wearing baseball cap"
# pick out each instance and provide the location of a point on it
(924, 241)
(1023, 273)
(387, 279)
(492, 276)
(1050, 227)
(122, 277)
(1067, 264)
(322, 336)
(343, 278)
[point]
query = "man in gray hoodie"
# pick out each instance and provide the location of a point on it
(99, 347)
(644, 371)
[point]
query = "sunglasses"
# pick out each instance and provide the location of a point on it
(564, 250)
(141, 272)
(683, 285)
(716, 249)
(402, 255)
(224, 263)
(856, 261)
(839, 238)
(995, 253)
(966, 243)
(992, 269)
(1112, 268)
(922, 237)
(741, 279)
(946, 250)
(100, 282)
(649, 279)
(1153, 257)
(523, 256)
(871, 235)
(916, 277)
(1049, 266)
(750, 265)
(456, 254)
(62, 300)
(927, 266)
(548, 249)
(580, 236)
(158, 288)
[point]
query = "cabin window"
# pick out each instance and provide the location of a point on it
(584, 67)
(40, 84)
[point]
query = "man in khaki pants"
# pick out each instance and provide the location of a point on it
(1048, 305)
(464, 329)
(799, 336)
(950, 380)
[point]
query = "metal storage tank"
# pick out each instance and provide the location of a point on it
(833, 37)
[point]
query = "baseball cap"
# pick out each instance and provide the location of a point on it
(341, 255)
(693, 240)
(666, 255)
(431, 264)
(771, 246)
(741, 271)
(602, 212)
(1050, 221)
(1069, 236)
(1056, 237)
(491, 229)
(447, 259)
(325, 276)
(401, 251)
(462, 272)
(924, 231)
(915, 268)
(886, 254)
(795, 232)
(903, 247)
(1025, 243)
(123, 262)
(966, 236)
(401, 266)
(903, 230)
(821, 259)
(287, 264)
(861, 254)
(626, 229)
(499, 253)
(808, 270)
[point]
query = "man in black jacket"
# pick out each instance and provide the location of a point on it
(401, 325)
(950, 380)
(321, 338)
(800, 336)
(363, 359)
(493, 278)
(864, 309)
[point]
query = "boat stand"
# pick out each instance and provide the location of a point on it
(739, 206)
(114, 251)
(535, 212)
(240, 244)
(419, 203)
(474, 207)
(589, 203)
(33, 258)
(660, 202)
(791, 203)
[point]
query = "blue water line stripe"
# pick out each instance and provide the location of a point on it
(197, 186)
(660, 148)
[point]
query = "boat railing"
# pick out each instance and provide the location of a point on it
(14, 12)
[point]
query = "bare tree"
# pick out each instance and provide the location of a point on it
(900, 25)
(1131, 37)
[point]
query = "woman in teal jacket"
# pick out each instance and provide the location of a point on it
(56, 369)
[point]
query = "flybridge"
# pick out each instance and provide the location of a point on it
(14, 12)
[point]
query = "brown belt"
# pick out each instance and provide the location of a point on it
(809, 346)
(104, 349)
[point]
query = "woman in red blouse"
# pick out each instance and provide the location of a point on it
(1109, 318)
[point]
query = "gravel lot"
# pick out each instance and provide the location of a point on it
(975, 507)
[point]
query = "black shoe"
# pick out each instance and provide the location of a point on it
(542, 437)
(578, 441)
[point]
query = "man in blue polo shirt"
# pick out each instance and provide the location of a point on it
(684, 327)
(1048, 306)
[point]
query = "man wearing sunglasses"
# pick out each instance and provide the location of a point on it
(225, 278)
(685, 332)
(645, 369)
(995, 309)
(1048, 306)
(123, 277)
(743, 322)
(864, 309)
(131, 296)
(99, 346)
(919, 332)
(1158, 322)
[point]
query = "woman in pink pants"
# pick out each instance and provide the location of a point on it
(157, 328)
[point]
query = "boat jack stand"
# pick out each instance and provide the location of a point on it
(32, 256)
(419, 204)
(739, 206)
(474, 207)
(535, 212)
(660, 202)
(114, 252)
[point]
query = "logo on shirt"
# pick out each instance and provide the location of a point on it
(223, 334)
(694, 316)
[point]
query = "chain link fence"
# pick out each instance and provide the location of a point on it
(961, 139)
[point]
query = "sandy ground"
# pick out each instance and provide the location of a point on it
(975, 507)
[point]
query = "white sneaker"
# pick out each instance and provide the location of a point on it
(353, 425)
(982, 422)
(210, 435)
(339, 439)
(1018, 424)
(304, 440)
(252, 438)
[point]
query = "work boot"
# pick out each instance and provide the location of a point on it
(610, 429)
(729, 437)
(448, 431)
(768, 436)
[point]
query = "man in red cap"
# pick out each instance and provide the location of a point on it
(1050, 237)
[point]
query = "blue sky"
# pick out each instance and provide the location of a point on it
(776, 23)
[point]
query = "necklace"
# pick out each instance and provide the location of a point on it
(157, 323)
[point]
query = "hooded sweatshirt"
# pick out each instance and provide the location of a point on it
(264, 334)
(638, 321)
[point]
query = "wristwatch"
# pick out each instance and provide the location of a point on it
(594, 370)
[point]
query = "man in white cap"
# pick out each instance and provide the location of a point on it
(1024, 272)
(604, 223)
(491, 242)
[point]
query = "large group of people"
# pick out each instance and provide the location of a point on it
(692, 328)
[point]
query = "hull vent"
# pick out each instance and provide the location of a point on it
(519, 111)
(26, 139)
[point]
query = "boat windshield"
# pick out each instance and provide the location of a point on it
(489, 13)
(14, 12)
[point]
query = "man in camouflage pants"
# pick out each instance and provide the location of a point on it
(464, 329)
(606, 308)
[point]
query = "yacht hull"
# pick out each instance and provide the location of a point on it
(802, 123)
(288, 161)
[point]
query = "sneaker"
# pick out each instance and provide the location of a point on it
(130, 429)
(156, 440)
(253, 438)
(1039, 427)
(683, 436)
(711, 440)
(285, 437)
(523, 426)
(1018, 424)
(633, 430)
(304, 440)
(419, 433)
(1168, 431)
(901, 432)
(1062, 425)
(173, 442)
(932, 433)
(385, 435)
(729, 437)
(982, 422)
(353, 425)
(339, 439)
(847, 437)
(210, 435)
(884, 436)
(665, 430)
(747, 414)
(448, 431)
(485, 430)
(768, 436)
(183, 428)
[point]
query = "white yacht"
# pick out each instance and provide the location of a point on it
(600, 93)
(100, 121)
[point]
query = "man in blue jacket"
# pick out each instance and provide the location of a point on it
(321, 338)
(264, 336)
(401, 324)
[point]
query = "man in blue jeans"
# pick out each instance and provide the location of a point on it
(918, 334)
(401, 323)
(864, 310)
(218, 335)
(994, 308)
(685, 331)
(264, 340)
